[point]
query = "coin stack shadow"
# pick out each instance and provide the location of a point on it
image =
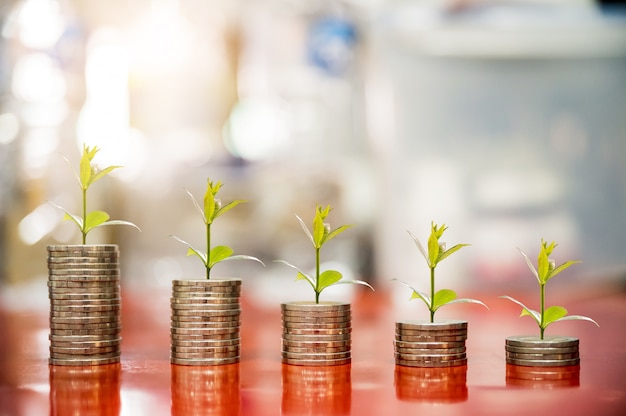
(427, 344)
(84, 292)
(531, 351)
(316, 334)
(206, 319)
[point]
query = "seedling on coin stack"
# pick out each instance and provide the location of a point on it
(206, 312)
(544, 351)
(318, 333)
(433, 344)
(84, 285)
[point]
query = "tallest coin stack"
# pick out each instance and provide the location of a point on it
(84, 292)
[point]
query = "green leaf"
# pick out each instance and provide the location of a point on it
(552, 314)
(530, 265)
(354, 282)
(102, 173)
(309, 279)
(201, 255)
(306, 230)
(192, 251)
(318, 230)
(243, 257)
(197, 205)
(421, 295)
(576, 318)
(218, 254)
(118, 222)
(419, 246)
(467, 300)
(85, 166)
(94, 219)
(77, 220)
(300, 275)
(543, 266)
(562, 267)
(209, 204)
(433, 248)
(228, 207)
(450, 251)
(526, 311)
(328, 278)
(442, 297)
(336, 232)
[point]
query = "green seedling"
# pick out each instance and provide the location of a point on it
(321, 234)
(211, 210)
(545, 271)
(437, 253)
(89, 174)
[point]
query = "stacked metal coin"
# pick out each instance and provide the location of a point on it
(532, 351)
(84, 292)
(427, 344)
(206, 319)
(316, 334)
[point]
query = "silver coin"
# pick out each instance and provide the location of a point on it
(310, 306)
(543, 363)
(428, 351)
(431, 326)
(311, 363)
(206, 343)
(525, 356)
(84, 361)
(528, 341)
(316, 331)
(204, 361)
(433, 339)
(315, 356)
(431, 357)
(206, 306)
(431, 364)
(429, 345)
(316, 338)
(205, 300)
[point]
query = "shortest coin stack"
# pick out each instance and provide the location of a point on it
(427, 344)
(206, 319)
(531, 351)
(84, 292)
(316, 334)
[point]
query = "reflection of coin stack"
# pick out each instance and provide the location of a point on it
(317, 390)
(206, 390)
(427, 344)
(316, 333)
(84, 292)
(206, 318)
(543, 377)
(437, 385)
(532, 351)
(87, 390)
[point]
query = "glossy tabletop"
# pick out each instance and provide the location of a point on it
(145, 383)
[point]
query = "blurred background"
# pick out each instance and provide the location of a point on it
(505, 120)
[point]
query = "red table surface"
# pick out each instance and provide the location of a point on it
(145, 383)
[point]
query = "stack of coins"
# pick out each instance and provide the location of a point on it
(532, 351)
(316, 334)
(427, 344)
(206, 318)
(84, 292)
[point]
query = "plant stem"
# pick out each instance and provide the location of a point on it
(432, 294)
(208, 250)
(317, 274)
(542, 287)
(83, 231)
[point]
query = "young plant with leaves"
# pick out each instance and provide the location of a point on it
(89, 174)
(437, 253)
(545, 271)
(321, 234)
(210, 211)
